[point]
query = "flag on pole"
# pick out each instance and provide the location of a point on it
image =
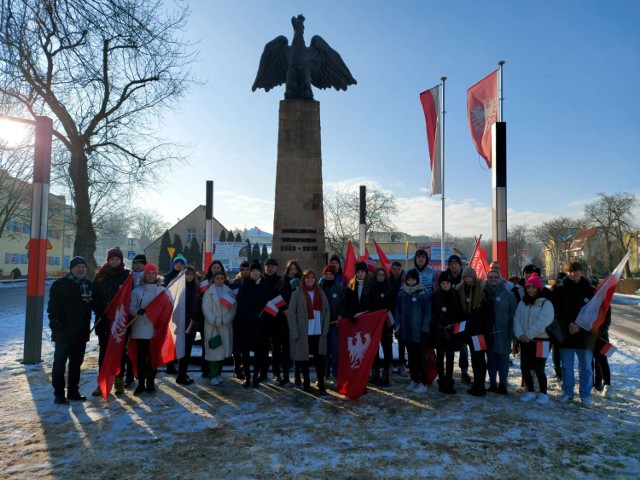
(358, 344)
(479, 344)
(482, 111)
(118, 310)
(365, 257)
(349, 264)
(593, 314)
(430, 100)
(608, 349)
(177, 291)
(459, 327)
(479, 261)
(386, 263)
(542, 348)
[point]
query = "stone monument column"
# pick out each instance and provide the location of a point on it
(298, 220)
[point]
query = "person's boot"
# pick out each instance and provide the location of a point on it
(375, 377)
(321, 387)
(493, 388)
(171, 368)
(384, 380)
(140, 388)
(151, 387)
(119, 384)
(502, 389)
(128, 381)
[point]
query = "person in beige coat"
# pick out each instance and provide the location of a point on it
(309, 317)
(218, 318)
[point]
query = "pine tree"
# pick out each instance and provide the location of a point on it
(230, 237)
(238, 238)
(187, 254)
(248, 250)
(196, 254)
(177, 244)
(264, 256)
(223, 236)
(255, 252)
(164, 259)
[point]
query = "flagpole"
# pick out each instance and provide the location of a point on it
(442, 177)
(500, 92)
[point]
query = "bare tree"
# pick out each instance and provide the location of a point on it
(341, 216)
(518, 243)
(557, 236)
(147, 226)
(15, 185)
(104, 70)
(613, 215)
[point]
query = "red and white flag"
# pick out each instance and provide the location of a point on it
(386, 263)
(358, 344)
(542, 348)
(430, 100)
(271, 308)
(482, 111)
(479, 261)
(593, 314)
(204, 286)
(479, 343)
(459, 327)
(349, 264)
(279, 301)
(608, 349)
(117, 312)
(228, 300)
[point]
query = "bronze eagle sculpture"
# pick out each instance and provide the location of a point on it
(300, 66)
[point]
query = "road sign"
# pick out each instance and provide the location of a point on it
(130, 255)
(49, 246)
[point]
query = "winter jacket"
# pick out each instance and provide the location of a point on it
(533, 319)
(299, 326)
(251, 325)
(104, 287)
(336, 295)
(445, 312)
(218, 320)
(193, 308)
(479, 320)
(427, 277)
(413, 313)
(380, 296)
(69, 314)
(568, 298)
(504, 308)
(141, 296)
(355, 304)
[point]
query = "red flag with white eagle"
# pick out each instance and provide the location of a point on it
(386, 263)
(116, 312)
(430, 100)
(349, 264)
(358, 344)
(482, 111)
(593, 314)
(479, 261)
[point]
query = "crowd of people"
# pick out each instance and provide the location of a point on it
(450, 313)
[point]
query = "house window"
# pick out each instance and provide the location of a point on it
(191, 232)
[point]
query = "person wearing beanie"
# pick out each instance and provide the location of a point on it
(108, 280)
(272, 280)
(445, 313)
(337, 264)
(381, 298)
(499, 345)
(251, 325)
(425, 272)
(243, 274)
(357, 295)
(335, 293)
(69, 312)
(142, 329)
(533, 315)
(412, 322)
(137, 267)
(177, 265)
(477, 312)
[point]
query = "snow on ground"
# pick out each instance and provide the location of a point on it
(231, 432)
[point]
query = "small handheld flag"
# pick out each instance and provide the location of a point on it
(608, 349)
(459, 327)
(479, 343)
(228, 300)
(542, 348)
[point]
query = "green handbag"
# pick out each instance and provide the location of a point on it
(215, 342)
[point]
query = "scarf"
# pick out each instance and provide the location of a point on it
(85, 286)
(316, 304)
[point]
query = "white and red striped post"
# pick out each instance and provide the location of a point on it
(499, 181)
(38, 242)
(208, 240)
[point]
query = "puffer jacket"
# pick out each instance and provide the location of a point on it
(533, 319)
(413, 312)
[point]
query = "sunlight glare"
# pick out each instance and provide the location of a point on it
(13, 133)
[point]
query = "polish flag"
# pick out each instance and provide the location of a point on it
(607, 350)
(204, 286)
(430, 100)
(482, 111)
(479, 344)
(349, 264)
(542, 348)
(386, 263)
(459, 327)
(117, 312)
(479, 261)
(271, 308)
(279, 301)
(228, 300)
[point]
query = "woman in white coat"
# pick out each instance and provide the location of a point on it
(219, 308)
(142, 328)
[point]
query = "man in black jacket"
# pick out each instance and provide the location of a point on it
(70, 321)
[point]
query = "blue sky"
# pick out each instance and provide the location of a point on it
(572, 106)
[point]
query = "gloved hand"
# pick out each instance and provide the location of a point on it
(140, 311)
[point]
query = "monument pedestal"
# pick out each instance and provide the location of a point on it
(298, 220)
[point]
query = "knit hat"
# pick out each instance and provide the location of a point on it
(445, 277)
(150, 267)
(454, 258)
(77, 261)
(141, 257)
(329, 268)
(255, 265)
(271, 261)
(534, 279)
(179, 258)
(114, 252)
(336, 258)
(469, 272)
(421, 252)
(413, 273)
(244, 264)
(361, 266)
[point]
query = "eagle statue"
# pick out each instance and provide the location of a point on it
(300, 66)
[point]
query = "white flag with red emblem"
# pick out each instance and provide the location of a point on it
(482, 110)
